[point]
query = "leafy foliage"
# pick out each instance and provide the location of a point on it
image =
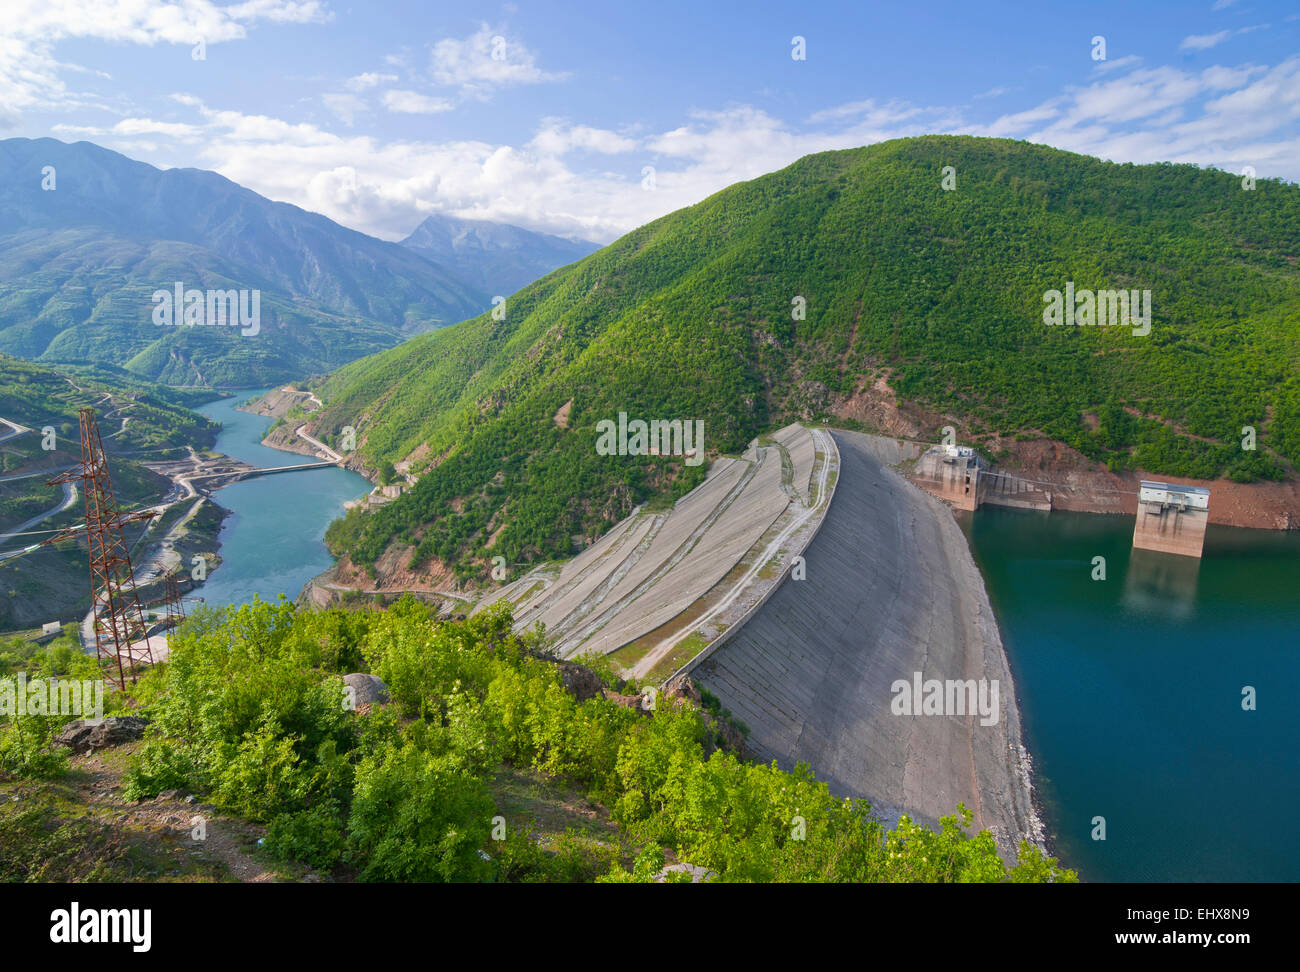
(248, 711)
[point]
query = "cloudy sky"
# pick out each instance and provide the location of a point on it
(550, 114)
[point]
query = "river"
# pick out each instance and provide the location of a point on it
(1131, 692)
(273, 541)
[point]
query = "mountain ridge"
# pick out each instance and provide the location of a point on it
(112, 230)
(499, 258)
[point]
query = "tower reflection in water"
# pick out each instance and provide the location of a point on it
(1161, 584)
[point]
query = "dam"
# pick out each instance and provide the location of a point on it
(802, 583)
(891, 590)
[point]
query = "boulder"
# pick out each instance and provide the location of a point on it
(366, 689)
(580, 681)
(636, 702)
(683, 687)
(699, 875)
(83, 735)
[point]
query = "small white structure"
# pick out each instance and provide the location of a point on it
(1167, 494)
(51, 627)
(952, 473)
(1171, 518)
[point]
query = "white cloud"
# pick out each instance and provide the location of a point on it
(867, 112)
(556, 138)
(1201, 42)
(1225, 117)
(485, 60)
(1117, 64)
(414, 103)
(29, 72)
(370, 79)
(585, 181)
(131, 127)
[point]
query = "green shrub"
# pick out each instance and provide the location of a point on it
(313, 836)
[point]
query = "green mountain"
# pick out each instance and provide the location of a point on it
(87, 236)
(940, 293)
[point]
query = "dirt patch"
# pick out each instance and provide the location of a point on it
(414, 460)
(394, 574)
(173, 837)
(278, 402)
(561, 417)
(875, 405)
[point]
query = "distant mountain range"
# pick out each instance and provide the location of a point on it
(849, 286)
(80, 261)
(497, 258)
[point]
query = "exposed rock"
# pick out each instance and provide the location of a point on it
(83, 735)
(683, 687)
(698, 874)
(637, 702)
(580, 681)
(366, 689)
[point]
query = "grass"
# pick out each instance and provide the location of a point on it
(630, 654)
(682, 652)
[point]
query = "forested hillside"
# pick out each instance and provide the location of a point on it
(160, 421)
(939, 292)
(87, 236)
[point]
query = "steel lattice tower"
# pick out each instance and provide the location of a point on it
(121, 636)
(175, 607)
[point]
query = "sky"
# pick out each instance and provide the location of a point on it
(589, 119)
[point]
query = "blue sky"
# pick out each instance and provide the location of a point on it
(547, 114)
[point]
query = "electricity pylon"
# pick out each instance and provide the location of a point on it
(121, 636)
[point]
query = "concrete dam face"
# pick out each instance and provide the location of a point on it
(891, 591)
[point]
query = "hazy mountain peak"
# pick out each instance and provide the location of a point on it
(498, 258)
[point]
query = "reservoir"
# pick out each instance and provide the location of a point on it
(1131, 692)
(273, 541)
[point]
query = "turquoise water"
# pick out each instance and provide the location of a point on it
(1130, 691)
(273, 541)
